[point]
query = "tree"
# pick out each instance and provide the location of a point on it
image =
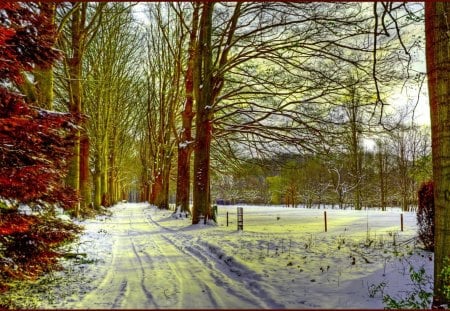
(39, 88)
(342, 185)
(240, 180)
(34, 142)
(237, 44)
(382, 165)
(354, 109)
(205, 96)
(74, 40)
(290, 183)
(35, 146)
(408, 144)
(438, 69)
(112, 56)
(165, 38)
(425, 215)
(270, 93)
(34, 155)
(185, 140)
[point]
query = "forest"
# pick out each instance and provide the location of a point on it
(198, 103)
(171, 105)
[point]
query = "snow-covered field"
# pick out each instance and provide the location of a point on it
(144, 258)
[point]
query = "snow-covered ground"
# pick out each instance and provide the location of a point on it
(144, 258)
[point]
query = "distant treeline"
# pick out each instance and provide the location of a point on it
(384, 178)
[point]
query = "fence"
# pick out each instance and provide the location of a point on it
(306, 220)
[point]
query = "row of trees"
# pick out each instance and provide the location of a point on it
(388, 175)
(157, 83)
(241, 80)
(226, 80)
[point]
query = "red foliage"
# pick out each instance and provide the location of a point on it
(35, 146)
(26, 40)
(13, 223)
(30, 243)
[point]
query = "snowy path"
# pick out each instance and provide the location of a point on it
(150, 268)
(144, 258)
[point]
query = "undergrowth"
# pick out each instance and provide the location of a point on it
(30, 244)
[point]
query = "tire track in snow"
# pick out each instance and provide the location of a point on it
(190, 290)
(167, 274)
(249, 292)
(197, 288)
(218, 272)
(249, 278)
(123, 284)
(119, 297)
(150, 268)
(148, 294)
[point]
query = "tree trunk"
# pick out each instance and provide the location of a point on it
(41, 91)
(44, 87)
(156, 188)
(97, 183)
(85, 188)
(201, 195)
(381, 168)
(164, 197)
(80, 30)
(183, 179)
(160, 187)
(74, 65)
(355, 151)
(112, 176)
(438, 68)
(185, 144)
(104, 178)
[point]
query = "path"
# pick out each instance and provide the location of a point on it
(155, 267)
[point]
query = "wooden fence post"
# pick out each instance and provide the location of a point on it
(325, 218)
(401, 222)
(240, 218)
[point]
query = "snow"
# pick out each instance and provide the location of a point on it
(142, 257)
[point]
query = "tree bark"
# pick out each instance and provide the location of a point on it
(381, 174)
(204, 102)
(355, 147)
(85, 186)
(44, 77)
(163, 202)
(104, 174)
(44, 87)
(74, 64)
(438, 69)
(40, 91)
(112, 177)
(185, 144)
(97, 183)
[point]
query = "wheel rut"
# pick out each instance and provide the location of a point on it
(154, 267)
(249, 293)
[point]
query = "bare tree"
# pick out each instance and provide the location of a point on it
(84, 22)
(112, 84)
(165, 42)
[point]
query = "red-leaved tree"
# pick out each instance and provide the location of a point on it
(34, 147)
